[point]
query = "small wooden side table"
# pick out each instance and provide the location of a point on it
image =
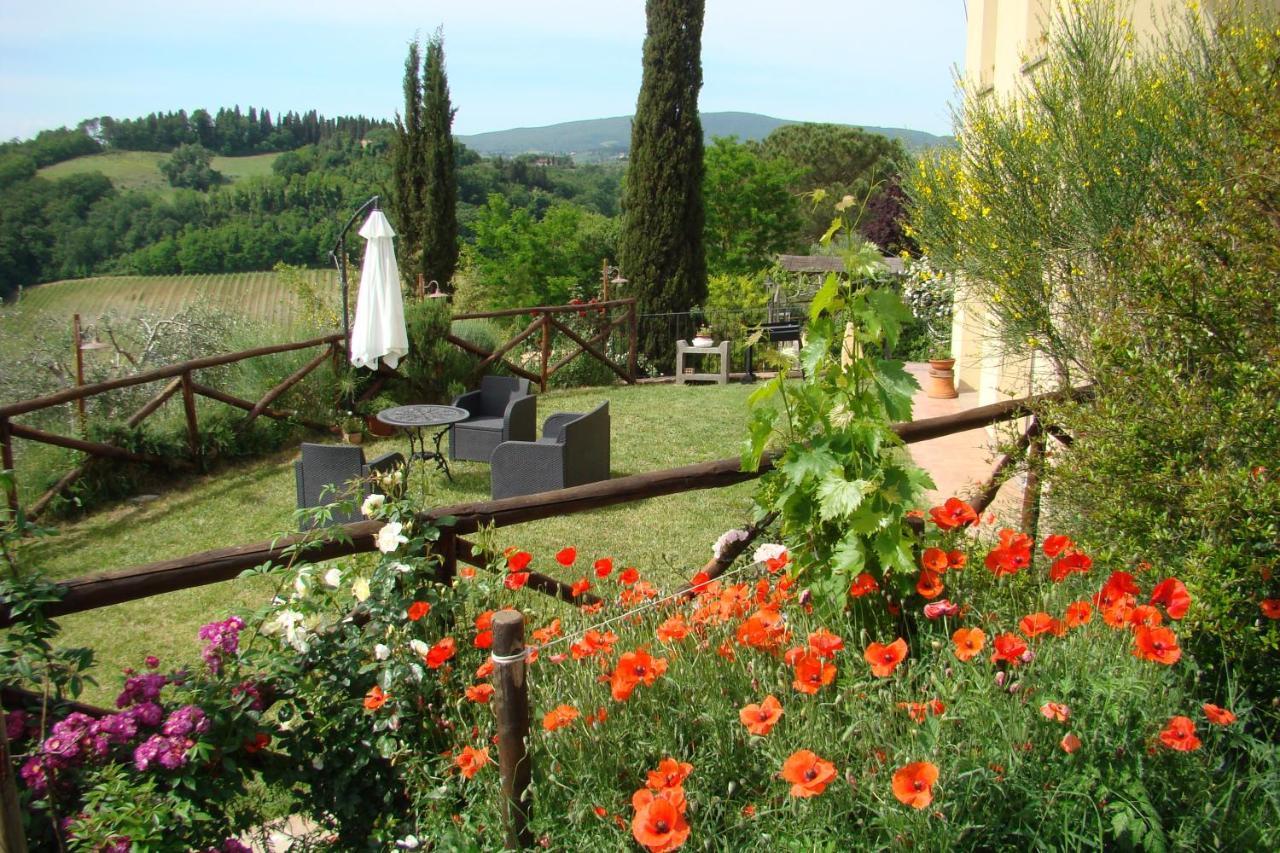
(721, 349)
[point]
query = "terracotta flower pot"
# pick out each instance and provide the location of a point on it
(375, 427)
(941, 383)
(354, 437)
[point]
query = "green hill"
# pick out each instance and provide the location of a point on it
(606, 138)
(141, 169)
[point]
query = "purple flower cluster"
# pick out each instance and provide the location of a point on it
(231, 845)
(189, 719)
(15, 725)
(252, 689)
(169, 752)
(221, 639)
(141, 688)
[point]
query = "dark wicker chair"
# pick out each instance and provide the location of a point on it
(501, 410)
(334, 467)
(574, 449)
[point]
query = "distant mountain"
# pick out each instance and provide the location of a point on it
(607, 138)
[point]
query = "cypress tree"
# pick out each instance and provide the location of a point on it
(439, 222)
(407, 161)
(661, 248)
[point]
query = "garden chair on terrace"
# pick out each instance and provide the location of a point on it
(325, 473)
(574, 449)
(501, 410)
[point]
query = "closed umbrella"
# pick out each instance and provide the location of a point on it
(378, 331)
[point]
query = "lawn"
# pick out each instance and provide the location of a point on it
(140, 170)
(653, 427)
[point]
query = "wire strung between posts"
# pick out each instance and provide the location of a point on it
(648, 605)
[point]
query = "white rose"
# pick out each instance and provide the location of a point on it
(333, 578)
(726, 539)
(381, 651)
(419, 648)
(300, 583)
(389, 537)
(768, 551)
(373, 504)
(360, 589)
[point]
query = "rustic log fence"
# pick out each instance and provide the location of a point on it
(511, 691)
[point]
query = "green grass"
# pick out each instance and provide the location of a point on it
(258, 295)
(653, 427)
(140, 170)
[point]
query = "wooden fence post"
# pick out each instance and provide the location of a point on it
(75, 337)
(12, 837)
(546, 348)
(447, 549)
(1031, 494)
(6, 462)
(633, 339)
(189, 408)
(511, 707)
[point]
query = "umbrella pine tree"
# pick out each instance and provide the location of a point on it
(662, 242)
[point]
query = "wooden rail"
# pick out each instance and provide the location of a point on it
(206, 567)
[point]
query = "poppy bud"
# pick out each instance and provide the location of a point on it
(1028, 656)
(1000, 676)
(1015, 687)
(805, 596)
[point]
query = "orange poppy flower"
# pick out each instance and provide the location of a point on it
(726, 651)
(1270, 607)
(812, 673)
(545, 635)
(659, 824)
(1144, 614)
(480, 693)
(1069, 743)
(913, 784)
(597, 718)
(467, 573)
(471, 760)
(764, 629)
(968, 642)
(917, 711)
(1078, 613)
(375, 698)
(566, 556)
(440, 652)
(760, 719)
(929, 584)
(483, 640)
(419, 609)
(1180, 734)
(1008, 647)
(629, 575)
(1036, 624)
(485, 669)
(952, 514)
(863, 584)
(579, 586)
(1157, 644)
(670, 774)
(934, 559)
(1055, 711)
(515, 580)
(1218, 716)
(559, 717)
(592, 608)
(825, 644)
(1117, 614)
(778, 563)
(519, 561)
(603, 567)
(956, 559)
(673, 630)
(1073, 563)
(484, 621)
(632, 669)
(1118, 585)
(1172, 593)
(885, 659)
(1056, 544)
(808, 774)
(1011, 555)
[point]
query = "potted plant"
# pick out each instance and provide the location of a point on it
(351, 429)
(703, 338)
(942, 377)
(372, 425)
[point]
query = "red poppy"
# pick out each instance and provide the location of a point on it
(579, 586)
(483, 640)
(934, 559)
(1144, 614)
(1118, 585)
(440, 652)
(597, 718)
(1180, 734)
(1008, 647)
(629, 575)
(1011, 555)
(659, 825)
(726, 651)
(917, 711)
(485, 669)
(1218, 716)
(1038, 623)
(480, 693)
(764, 629)
(863, 584)
(1270, 607)
(516, 580)
(760, 719)
(778, 563)
(634, 668)
(1056, 544)
(1078, 613)
(1157, 644)
(1117, 614)
(825, 644)
(700, 581)
(566, 556)
(968, 642)
(670, 774)
(471, 760)
(808, 774)
(592, 608)
(885, 659)
(545, 635)
(418, 609)
(603, 567)
(956, 559)
(559, 717)
(673, 630)
(1069, 743)
(913, 784)
(467, 573)
(375, 698)
(1055, 711)
(812, 673)
(952, 514)
(929, 584)
(519, 561)
(1172, 593)
(1073, 563)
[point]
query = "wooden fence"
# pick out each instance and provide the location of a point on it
(511, 701)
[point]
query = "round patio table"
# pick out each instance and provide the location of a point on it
(416, 420)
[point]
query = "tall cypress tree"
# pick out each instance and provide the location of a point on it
(661, 248)
(440, 188)
(407, 161)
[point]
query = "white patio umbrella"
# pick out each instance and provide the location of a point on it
(378, 331)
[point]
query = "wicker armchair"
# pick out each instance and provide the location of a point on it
(334, 467)
(501, 410)
(574, 449)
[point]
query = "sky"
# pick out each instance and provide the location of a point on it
(510, 63)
